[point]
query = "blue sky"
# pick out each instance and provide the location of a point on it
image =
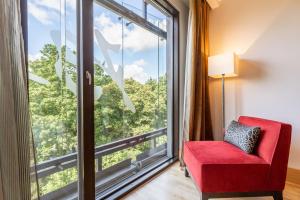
(140, 46)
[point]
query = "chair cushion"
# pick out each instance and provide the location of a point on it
(217, 166)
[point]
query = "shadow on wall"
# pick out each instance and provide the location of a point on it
(268, 83)
(216, 107)
(248, 70)
(251, 70)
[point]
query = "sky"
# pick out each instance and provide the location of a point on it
(50, 21)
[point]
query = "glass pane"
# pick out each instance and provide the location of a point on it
(53, 94)
(156, 17)
(141, 71)
(135, 6)
(162, 84)
(131, 108)
(108, 78)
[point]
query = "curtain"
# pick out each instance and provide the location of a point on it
(17, 178)
(196, 111)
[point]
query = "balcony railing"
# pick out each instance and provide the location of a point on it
(115, 173)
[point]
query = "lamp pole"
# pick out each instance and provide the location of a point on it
(222, 66)
(223, 101)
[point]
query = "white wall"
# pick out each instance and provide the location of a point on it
(183, 23)
(266, 35)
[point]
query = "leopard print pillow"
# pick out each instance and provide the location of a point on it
(242, 136)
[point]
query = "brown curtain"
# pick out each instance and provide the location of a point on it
(200, 127)
(17, 174)
(196, 117)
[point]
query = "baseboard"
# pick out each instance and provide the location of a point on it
(293, 176)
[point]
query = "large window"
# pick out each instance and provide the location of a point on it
(128, 94)
(53, 92)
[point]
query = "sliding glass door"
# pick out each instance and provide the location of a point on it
(103, 93)
(131, 93)
(131, 78)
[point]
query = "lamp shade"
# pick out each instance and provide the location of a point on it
(223, 64)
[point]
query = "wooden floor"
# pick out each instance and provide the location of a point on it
(173, 185)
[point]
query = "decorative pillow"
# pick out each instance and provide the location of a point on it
(242, 136)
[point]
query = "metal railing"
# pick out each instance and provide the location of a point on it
(105, 177)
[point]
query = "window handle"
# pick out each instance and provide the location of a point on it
(88, 76)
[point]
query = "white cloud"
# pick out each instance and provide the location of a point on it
(135, 37)
(57, 5)
(46, 11)
(162, 24)
(112, 32)
(103, 20)
(139, 39)
(40, 14)
(140, 62)
(71, 3)
(136, 71)
(33, 57)
(52, 4)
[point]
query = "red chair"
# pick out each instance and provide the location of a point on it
(221, 170)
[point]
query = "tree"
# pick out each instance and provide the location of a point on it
(54, 114)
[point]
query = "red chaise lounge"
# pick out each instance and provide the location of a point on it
(221, 170)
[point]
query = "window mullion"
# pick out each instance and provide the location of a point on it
(86, 164)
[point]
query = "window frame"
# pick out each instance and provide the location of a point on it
(85, 163)
(86, 135)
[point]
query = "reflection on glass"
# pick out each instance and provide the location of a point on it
(53, 93)
(130, 67)
(130, 87)
(135, 6)
(156, 17)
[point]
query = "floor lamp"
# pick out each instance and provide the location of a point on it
(222, 66)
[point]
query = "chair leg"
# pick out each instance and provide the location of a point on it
(186, 173)
(278, 195)
(204, 196)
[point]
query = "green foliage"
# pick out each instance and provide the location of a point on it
(54, 114)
